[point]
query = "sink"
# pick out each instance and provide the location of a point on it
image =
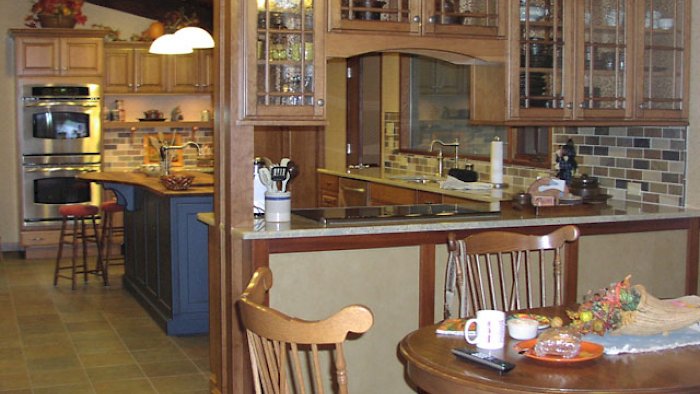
(417, 178)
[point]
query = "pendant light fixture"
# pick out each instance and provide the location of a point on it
(182, 41)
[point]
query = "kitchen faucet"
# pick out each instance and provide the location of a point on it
(441, 164)
(165, 154)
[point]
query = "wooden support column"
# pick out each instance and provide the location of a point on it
(426, 285)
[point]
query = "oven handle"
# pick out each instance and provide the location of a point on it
(53, 169)
(42, 104)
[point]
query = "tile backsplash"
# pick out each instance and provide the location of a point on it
(123, 149)
(645, 164)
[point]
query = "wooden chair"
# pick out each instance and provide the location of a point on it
(278, 343)
(508, 271)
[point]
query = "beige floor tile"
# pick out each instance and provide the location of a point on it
(43, 339)
(16, 381)
(10, 340)
(168, 352)
(88, 346)
(69, 389)
(51, 350)
(203, 364)
(89, 315)
(95, 325)
(104, 359)
(133, 386)
(169, 368)
(114, 372)
(181, 384)
(142, 342)
(58, 377)
(53, 363)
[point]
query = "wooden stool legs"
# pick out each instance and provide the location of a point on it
(78, 237)
(109, 230)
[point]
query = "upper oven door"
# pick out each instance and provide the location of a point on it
(60, 127)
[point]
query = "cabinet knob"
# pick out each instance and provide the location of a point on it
(582, 105)
(569, 105)
(416, 19)
(320, 102)
(642, 106)
(432, 19)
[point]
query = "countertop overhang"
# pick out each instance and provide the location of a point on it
(203, 183)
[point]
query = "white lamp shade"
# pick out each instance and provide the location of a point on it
(195, 37)
(168, 44)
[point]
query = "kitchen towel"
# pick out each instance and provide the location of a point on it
(452, 183)
(497, 161)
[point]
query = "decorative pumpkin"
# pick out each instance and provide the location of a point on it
(155, 30)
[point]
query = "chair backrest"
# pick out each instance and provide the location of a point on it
(284, 351)
(509, 271)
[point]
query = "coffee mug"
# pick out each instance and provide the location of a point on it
(490, 329)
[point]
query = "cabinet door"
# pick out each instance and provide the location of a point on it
(285, 78)
(390, 195)
(37, 56)
(182, 73)
(119, 70)
(375, 15)
(464, 17)
(352, 193)
(205, 69)
(327, 190)
(603, 86)
(81, 56)
(149, 71)
(663, 61)
(542, 47)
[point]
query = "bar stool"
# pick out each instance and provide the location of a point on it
(79, 214)
(109, 230)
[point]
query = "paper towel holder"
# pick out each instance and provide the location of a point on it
(498, 185)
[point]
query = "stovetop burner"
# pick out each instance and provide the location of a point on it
(392, 213)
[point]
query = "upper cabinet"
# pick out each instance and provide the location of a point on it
(427, 17)
(599, 60)
(58, 52)
(285, 62)
(130, 68)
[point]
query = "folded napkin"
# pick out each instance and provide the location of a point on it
(452, 183)
(618, 344)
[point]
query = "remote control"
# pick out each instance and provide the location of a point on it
(483, 358)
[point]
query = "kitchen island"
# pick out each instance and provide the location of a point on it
(397, 270)
(166, 247)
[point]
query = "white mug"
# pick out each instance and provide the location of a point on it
(490, 329)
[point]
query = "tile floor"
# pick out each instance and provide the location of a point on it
(91, 340)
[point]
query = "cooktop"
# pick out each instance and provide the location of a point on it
(392, 213)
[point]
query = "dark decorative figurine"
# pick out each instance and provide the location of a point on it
(566, 161)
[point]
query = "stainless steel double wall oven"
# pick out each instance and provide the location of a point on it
(61, 137)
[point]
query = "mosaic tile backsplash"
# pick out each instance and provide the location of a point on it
(643, 164)
(123, 149)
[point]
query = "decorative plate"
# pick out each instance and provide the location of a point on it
(589, 351)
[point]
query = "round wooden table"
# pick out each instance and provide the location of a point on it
(431, 366)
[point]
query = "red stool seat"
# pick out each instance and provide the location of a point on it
(111, 206)
(78, 210)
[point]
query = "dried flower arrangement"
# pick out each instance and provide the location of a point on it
(59, 8)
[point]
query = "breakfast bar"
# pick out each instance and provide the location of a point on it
(396, 269)
(166, 247)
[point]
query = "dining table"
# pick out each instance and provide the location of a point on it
(433, 368)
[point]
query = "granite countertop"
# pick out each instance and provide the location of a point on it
(203, 183)
(612, 212)
(393, 178)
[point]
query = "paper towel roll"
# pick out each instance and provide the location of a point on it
(497, 161)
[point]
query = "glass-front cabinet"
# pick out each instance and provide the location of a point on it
(543, 50)
(664, 56)
(599, 59)
(452, 17)
(285, 76)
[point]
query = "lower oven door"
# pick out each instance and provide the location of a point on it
(47, 188)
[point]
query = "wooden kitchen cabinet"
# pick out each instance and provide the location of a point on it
(426, 17)
(190, 73)
(327, 190)
(390, 195)
(285, 56)
(352, 192)
(599, 60)
(131, 69)
(58, 52)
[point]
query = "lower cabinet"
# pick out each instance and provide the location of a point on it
(166, 259)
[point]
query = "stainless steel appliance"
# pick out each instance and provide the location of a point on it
(49, 181)
(60, 119)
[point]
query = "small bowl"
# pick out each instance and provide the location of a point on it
(522, 329)
(151, 169)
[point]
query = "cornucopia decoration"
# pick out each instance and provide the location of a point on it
(623, 308)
